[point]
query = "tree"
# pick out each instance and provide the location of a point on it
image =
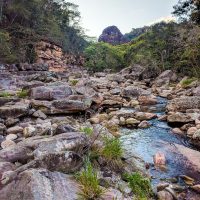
(188, 10)
(100, 56)
(27, 22)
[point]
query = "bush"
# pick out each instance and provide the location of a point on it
(101, 56)
(90, 188)
(140, 186)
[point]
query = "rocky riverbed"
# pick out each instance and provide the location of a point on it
(43, 115)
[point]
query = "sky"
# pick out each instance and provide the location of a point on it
(125, 14)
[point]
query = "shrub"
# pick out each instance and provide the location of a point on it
(22, 93)
(140, 186)
(90, 188)
(101, 56)
(87, 130)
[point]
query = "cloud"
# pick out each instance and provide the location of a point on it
(165, 19)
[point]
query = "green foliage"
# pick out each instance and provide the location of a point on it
(73, 82)
(112, 149)
(140, 186)
(185, 83)
(188, 10)
(87, 130)
(24, 23)
(5, 94)
(88, 179)
(22, 93)
(100, 56)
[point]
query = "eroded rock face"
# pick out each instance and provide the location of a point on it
(37, 184)
(184, 103)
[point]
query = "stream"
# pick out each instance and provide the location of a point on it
(145, 143)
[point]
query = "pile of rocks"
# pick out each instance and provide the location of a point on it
(41, 114)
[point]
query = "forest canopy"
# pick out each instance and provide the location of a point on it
(23, 23)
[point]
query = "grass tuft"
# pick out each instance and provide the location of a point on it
(73, 82)
(185, 83)
(22, 93)
(87, 130)
(112, 149)
(5, 94)
(88, 179)
(140, 186)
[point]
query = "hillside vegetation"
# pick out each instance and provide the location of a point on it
(163, 46)
(23, 23)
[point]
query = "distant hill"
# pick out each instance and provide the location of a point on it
(113, 35)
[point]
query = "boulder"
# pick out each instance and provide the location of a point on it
(159, 159)
(39, 114)
(179, 117)
(6, 166)
(36, 184)
(164, 195)
(15, 130)
(184, 103)
(144, 116)
(132, 121)
(177, 131)
(16, 153)
(196, 91)
(147, 100)
(164, 78)
(11, 137)
(134, 92)
(63, 106)
(51, 92)
(7, 143)
(115, 77)
(144, 124)
(16, 110)
(191, 131)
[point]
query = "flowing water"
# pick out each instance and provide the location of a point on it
(145, 143)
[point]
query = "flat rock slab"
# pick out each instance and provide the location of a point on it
(41, 184)
(16, 110)
(193, 156)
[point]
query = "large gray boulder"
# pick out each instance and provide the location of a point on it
(41, 184)
(184, 103)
